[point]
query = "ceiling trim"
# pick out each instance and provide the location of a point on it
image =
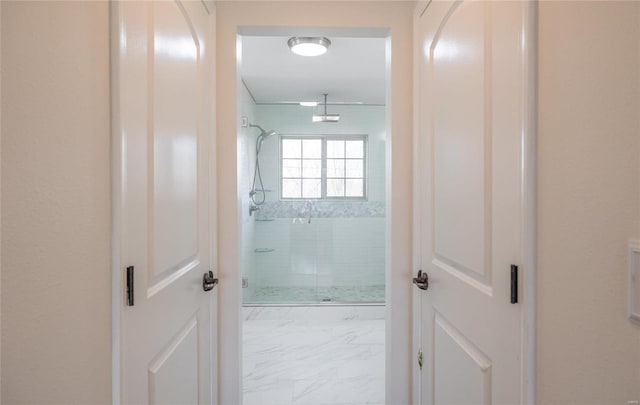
(249, 91)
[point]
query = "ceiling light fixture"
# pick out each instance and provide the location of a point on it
(325, 117)
(309, 103)
(309, 46)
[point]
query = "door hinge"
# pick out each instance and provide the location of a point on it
(514, 284)
(130, 286)
(420, 358)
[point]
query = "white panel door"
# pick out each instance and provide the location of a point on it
(471, 132)
(163, 87)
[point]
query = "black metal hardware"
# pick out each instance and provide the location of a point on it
(514, 284)
(208, 281)
(130, 288)
(422, 281)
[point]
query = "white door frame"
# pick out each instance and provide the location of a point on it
(529, 191)
(116, 204)
(530, 195)
(392, 16)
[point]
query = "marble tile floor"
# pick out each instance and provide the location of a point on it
(313, 362)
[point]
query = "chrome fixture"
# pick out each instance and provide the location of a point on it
(326, 117)
(309, 210)
(263, 135)
(256, 202)
(309, 46)
(253, 208)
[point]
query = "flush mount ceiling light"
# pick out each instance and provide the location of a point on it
(309, 46)
(309, 103)
(326, 117)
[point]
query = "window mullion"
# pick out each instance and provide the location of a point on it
(323, 170)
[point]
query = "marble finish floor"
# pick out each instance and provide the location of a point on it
(313, 362)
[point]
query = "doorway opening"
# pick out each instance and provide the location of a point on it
(312, 184)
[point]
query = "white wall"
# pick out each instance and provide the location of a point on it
(56, 331)
(589, 205)
(395, 15)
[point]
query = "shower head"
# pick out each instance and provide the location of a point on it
(268, 134)
(263, 135)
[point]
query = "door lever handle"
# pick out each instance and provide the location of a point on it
(422, 281)
(208, 281)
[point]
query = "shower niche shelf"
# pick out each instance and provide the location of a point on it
(263, 250)
(264, 219)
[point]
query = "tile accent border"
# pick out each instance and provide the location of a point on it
(321, 209)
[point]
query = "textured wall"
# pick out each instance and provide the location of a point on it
(0, 208)
(56, 294)
(589, 206)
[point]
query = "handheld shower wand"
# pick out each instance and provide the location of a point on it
(263, 135)
(257, 202)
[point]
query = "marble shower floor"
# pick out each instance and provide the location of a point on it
(313, 362)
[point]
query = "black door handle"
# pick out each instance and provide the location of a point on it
(422, 281)
(208, 281)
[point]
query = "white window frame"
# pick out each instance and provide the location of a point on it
(323, 175)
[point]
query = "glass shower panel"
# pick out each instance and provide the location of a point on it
(326, 260)
(306, 249)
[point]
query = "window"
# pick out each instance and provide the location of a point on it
(323, 167)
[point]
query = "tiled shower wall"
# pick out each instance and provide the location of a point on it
(344, 244)
(327, 252)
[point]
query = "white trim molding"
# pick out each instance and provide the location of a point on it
(530, 193)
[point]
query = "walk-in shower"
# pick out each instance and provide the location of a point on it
(313, 249)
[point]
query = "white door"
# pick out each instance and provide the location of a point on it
(163, 95)
(472, 131)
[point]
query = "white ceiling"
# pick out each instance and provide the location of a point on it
(352, 71)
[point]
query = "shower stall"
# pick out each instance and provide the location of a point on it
(304, 243)
(326, 260)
